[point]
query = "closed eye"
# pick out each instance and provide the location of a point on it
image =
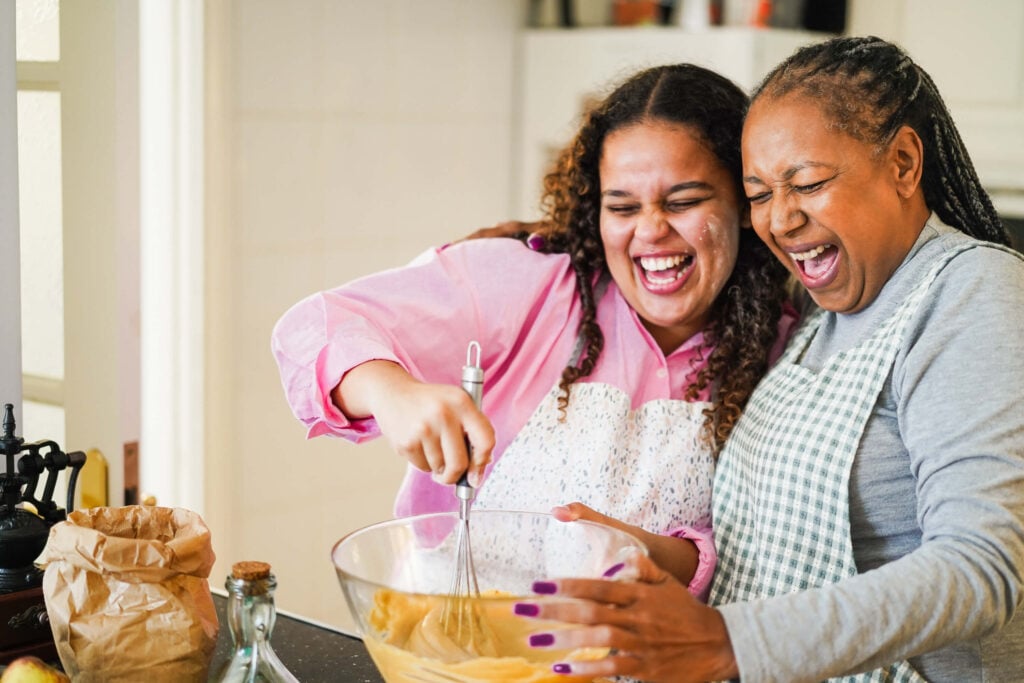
(759, 198)
(683, 204)
(808, 189)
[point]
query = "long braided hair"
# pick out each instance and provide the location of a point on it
(746, 313)
(869, 88)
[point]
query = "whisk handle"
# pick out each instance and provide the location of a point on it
(462, 488)
(473, 384)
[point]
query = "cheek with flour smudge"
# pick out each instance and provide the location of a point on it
(720, 242)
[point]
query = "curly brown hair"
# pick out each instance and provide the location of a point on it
(746, 313)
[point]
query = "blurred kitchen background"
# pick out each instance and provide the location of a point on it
(187, 170)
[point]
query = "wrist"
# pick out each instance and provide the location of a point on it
(355, 394)
(677, 556)
(722, 657)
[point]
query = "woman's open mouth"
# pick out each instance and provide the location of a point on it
(664, 274)
(817, 266)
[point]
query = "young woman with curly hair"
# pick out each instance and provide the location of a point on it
(617, 357)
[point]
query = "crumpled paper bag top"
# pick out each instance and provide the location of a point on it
(127, 594)
(137, 544)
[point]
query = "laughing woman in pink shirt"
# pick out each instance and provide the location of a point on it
(618, 353)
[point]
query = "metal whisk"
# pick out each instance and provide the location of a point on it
(459, 619)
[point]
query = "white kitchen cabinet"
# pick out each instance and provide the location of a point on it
(562, 69)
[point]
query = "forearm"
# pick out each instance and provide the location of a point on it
(677, 556)
(364, 385)
(925, 601)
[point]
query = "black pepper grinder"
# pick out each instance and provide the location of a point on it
(23, 534)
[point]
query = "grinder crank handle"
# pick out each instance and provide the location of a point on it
(55, 461)
(76, 460)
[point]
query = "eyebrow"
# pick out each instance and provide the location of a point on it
(689, 185)
(789, 172)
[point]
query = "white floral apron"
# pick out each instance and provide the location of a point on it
(781, 504)
(647, 467)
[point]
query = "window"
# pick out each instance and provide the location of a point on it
(37, 32)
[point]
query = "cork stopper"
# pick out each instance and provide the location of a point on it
(250, 571)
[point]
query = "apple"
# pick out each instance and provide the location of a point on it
(32, 670)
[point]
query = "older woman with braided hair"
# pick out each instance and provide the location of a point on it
(869, 505)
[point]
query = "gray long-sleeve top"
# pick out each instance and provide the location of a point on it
(936, 494)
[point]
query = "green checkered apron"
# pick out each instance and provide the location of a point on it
(782, 484)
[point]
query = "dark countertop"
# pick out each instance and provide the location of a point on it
(312, 653)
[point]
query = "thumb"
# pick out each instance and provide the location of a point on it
(576, 511)
(644, 568)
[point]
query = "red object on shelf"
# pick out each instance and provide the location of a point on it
(633, 12)
(763, 14)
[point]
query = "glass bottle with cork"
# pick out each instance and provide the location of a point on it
(251, 615)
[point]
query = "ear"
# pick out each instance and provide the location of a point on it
(907, 154)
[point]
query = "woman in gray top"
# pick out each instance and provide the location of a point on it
(869, 505)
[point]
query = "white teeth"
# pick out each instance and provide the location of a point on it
(809, 254)
(656, 263)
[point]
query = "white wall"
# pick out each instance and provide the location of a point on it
(342, 138)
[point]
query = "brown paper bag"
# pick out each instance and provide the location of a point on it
(127, 594)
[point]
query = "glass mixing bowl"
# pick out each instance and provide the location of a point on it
(397, 578)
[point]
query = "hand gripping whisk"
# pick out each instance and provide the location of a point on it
(459, 619)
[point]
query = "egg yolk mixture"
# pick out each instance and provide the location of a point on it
(411, 641)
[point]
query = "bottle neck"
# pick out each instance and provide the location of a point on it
(251, 610)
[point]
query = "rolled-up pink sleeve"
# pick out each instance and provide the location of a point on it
(707, 558)
(420, 316)
(311, 366)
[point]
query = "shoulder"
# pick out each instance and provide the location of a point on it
(974, 270)
(974, 306)
(500, 254)
(507, 273)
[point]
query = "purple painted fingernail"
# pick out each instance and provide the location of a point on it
(562, 668)
(613, 570)
(536, 242)
(525, 609)
(545, 587)
(542, 640)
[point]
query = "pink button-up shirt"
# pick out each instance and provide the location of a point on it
(521, 306)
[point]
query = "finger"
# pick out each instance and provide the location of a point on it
(578, 510)
(645, 569)
(479, 433)
(416, 460)
(412, 450)
(434, 456)
(613, 665)
(456, 455)
(599, 636)
(590, 592)
(589, 613)
(563, 513)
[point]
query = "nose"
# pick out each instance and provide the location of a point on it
(785, 214)
(652, 225)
